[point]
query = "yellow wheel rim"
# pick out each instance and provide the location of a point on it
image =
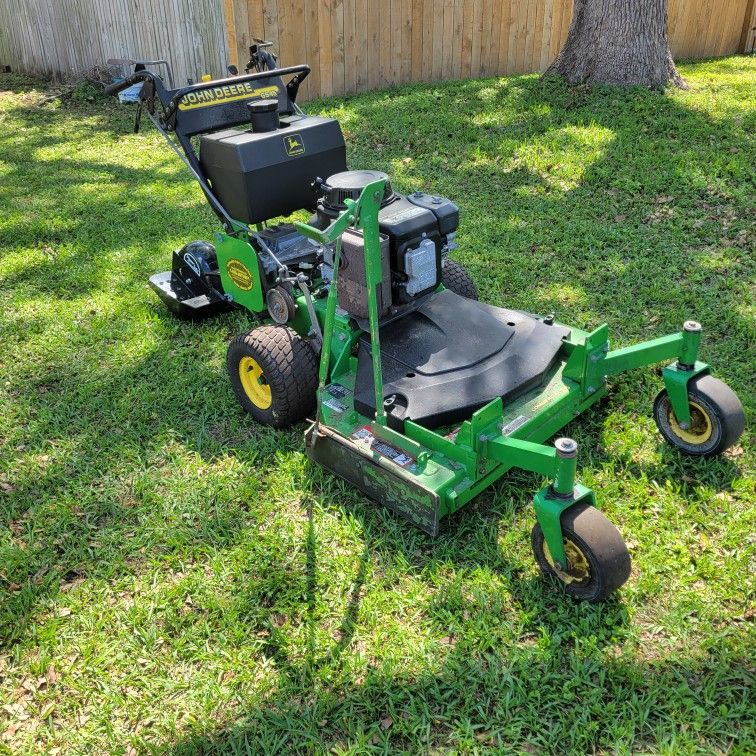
(578, 569)
(700, 425)
(254, 384)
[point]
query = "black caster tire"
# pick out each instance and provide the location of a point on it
(717, 418)
(598, 559)
(455, 277)
(274, 374)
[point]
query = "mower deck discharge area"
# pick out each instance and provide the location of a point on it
(428, 474)
(422, 396)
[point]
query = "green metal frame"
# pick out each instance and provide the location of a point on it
(448, 467)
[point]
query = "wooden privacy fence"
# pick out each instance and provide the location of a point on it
(354, 45)
(351, 45)
(63, 37)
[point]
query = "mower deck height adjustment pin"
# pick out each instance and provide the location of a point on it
(566, 448)
(691, 340)
(563, 486)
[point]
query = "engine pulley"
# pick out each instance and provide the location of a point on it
(281, 306)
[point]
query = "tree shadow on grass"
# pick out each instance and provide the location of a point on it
(564, 686)
(642, 275)
(93, 494)
(87, 218)
(502, 701)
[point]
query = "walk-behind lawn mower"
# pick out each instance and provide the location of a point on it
(422, 396)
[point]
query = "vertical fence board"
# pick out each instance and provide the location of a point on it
(495, 21)
(361, 46)
(748, 34)
(447, 48)
(535, 57)
(548, 19)
(477, 23)
(485, 36)
(467, 25)
(312, 47)
(372, 50)
(337, 40)
(350, 48)
(457, 31)
(397, 40)
(417, 41)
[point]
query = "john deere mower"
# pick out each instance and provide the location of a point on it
(420, 395)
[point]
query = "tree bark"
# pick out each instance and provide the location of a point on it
(620, 42)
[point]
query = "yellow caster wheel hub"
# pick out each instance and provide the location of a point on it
(578, 568)
(254, 384)
(700, 428)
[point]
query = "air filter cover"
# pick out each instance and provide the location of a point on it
(349, 185)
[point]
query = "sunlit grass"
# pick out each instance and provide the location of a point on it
(175, 579)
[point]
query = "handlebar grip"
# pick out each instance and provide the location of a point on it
(119, 86)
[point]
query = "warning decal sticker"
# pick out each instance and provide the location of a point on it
(337, 390)
(335, 405)
(365, 436)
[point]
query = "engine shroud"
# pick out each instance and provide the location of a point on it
(419, 228)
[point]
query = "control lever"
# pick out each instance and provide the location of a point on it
(138, 116)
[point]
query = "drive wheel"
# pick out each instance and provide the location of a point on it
(274, 373)
(455, 277)
(717, 418)
(598, 561)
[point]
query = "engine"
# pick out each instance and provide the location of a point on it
(416, 230)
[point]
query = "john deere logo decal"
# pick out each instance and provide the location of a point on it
(294, 144)
(224, 94)
(239, 274)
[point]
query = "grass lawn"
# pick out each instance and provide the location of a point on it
(175, 579)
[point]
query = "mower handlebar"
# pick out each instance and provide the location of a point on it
(302, 69)
(119, 86)
(171, 97)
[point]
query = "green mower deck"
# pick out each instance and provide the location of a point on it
(425, 474)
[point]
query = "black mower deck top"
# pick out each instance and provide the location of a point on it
(452, 356)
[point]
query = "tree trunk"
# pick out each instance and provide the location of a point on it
(621, 42)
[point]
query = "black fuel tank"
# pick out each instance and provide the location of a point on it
(446, 212)
(259, 176)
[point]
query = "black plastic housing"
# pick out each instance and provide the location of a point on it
(405, 224)
(259, 176)
(446, 212)
(452, 356)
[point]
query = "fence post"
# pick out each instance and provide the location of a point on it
(229, 21)
(748, 37)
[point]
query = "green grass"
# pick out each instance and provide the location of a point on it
(175, 579)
